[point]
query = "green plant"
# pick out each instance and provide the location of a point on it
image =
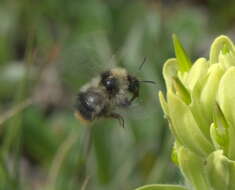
(199, 107)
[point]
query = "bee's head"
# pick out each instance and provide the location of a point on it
(134, 85)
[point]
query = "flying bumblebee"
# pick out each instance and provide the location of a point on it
(112, 89)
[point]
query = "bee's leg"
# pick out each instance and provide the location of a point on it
(118, 117)
(135, 95)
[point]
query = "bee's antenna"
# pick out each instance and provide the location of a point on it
(148, 81)
(142, 64)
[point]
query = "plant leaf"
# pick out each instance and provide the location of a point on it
(185, 128)
(184, 63)
(221, 44)
(217, 168)
(161, 187)
(181, 91)
(226, 100)
(169, 71)
(197, 71)
(192, 167)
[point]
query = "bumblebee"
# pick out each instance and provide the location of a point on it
(112, 89)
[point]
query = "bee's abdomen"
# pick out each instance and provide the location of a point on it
(89, 104)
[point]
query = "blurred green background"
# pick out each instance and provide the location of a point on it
(50, 48)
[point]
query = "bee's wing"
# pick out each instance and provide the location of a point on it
(139, 110)
(142, 108)
(86, 58)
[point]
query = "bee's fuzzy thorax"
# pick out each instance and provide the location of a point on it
(119, 72)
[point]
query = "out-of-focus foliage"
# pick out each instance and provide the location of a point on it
(48, 50)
